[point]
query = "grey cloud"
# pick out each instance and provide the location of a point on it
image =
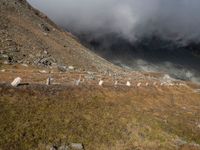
(172, 19)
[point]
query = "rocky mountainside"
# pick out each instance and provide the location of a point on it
(27, 36)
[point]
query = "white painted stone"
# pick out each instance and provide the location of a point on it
(16, 82)
(147, 84)
(25, 65)
(48, 82)
(100, 82)
(128, 83)
(3, 70)
(42, 71)
(71, 68)
(139, 84)
(78, 81)
(45, 52)
(116, 82)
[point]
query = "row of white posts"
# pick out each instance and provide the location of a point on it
(18, 80)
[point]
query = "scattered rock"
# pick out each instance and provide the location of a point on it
(45, 27)
(16, 82)
(45, 52)
(71, 68)
(54, 148)
(47, 61)
(166, 77)
(3, 70)
(25, 65)
(4, 56)
(77, 146)
(62, 68)
(180, 142)
(43, 71)
(63, 147)
(5, 62)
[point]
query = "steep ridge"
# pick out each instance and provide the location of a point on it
(28, 36)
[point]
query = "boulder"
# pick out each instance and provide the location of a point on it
(77, 146)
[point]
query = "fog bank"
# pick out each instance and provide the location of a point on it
(132, 19)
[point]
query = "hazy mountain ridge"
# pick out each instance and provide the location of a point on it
(152, 53)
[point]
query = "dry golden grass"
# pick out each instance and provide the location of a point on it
(146, 118)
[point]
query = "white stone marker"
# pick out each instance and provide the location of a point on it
(147, 84)
(16, 82)
(139, 84)
(48, 81)
(78, 81)
(100, 82)
(128, 83)
(71, 67)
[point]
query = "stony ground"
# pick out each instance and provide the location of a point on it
(37, 116)
(28, 36)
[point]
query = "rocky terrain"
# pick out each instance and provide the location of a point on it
(70, 98)
(27, 36)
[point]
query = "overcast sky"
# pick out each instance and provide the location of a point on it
(132, 19)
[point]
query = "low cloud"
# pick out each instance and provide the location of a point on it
(132, 19)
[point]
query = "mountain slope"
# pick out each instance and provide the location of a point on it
(27, 36)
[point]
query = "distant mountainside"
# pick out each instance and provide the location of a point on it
(148, 54)
(28, 36)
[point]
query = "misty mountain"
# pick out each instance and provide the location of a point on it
(156, 35)
(149, 54)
